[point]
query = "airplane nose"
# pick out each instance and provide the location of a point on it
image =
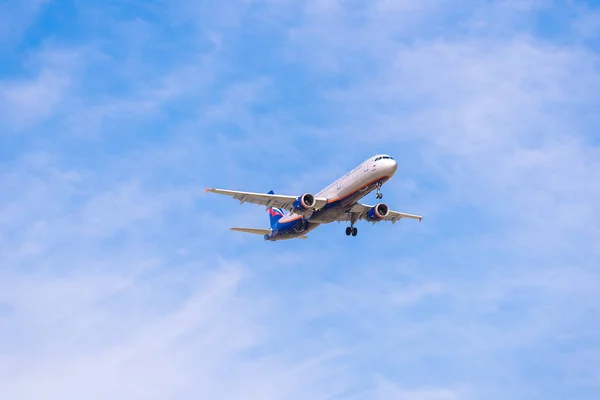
(392, 167)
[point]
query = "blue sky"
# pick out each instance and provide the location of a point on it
(119, 277)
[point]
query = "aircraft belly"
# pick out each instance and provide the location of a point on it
(335, 210)
(328, 216)
(292, 232)
(330, 213)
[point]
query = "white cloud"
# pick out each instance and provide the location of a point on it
(30, 100)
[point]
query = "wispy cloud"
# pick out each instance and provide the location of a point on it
(41, 92)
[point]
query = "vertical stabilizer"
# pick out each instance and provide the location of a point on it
(275, 214)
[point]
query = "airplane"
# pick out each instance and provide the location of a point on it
(337, 202)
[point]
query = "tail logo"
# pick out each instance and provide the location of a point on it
(275, 212)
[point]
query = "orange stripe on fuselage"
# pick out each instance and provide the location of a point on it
(329, 201)
(356, 190)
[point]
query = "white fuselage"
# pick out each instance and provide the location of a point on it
(347, 190)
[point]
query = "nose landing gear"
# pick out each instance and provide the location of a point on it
(378, 195)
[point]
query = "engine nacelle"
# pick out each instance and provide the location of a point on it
(378, 212)
(304, 202)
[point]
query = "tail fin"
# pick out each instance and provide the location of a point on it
(275, 214)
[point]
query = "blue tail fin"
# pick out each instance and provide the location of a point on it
(275, 214)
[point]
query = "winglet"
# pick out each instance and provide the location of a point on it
(206, 189)
(420, 218)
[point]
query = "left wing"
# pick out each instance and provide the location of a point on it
(361, 211)
(271, 200)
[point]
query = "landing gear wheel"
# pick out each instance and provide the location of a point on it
(378, 196)
(351, 230)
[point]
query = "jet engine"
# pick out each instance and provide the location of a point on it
(378, 212)
(304, 202)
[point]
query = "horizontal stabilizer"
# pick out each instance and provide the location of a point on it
(252, 230)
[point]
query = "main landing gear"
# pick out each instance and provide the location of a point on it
(351, 230)
(378, 195)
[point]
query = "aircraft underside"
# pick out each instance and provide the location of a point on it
(330, 213)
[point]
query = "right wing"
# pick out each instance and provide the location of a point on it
(269, 200)
(361, 211)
